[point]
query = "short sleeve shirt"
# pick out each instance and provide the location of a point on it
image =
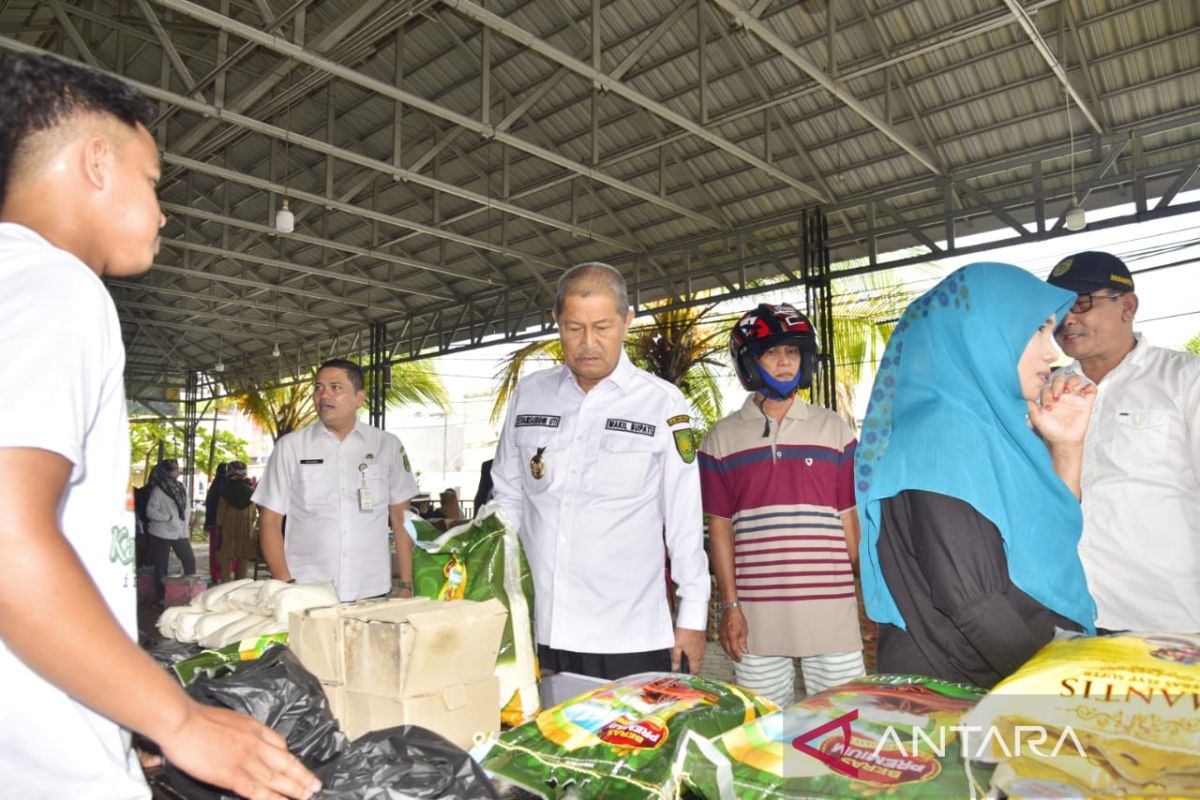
(63, 366)
(314, 479)
(785, 486)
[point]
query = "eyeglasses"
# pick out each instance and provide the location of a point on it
(1083, 303)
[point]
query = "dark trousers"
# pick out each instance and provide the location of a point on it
(609, 666)
(160, 555)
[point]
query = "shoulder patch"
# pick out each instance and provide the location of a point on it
(685, 443)
(672, 421)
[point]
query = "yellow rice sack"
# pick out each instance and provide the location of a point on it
(1113, 716)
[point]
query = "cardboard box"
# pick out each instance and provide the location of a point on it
(400, 647)
(457, 712)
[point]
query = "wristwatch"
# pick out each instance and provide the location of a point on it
(726, 606)
(399, 584)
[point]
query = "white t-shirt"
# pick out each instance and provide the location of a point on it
(314, 479)
(62, 368)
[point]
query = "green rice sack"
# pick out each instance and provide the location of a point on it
(219, 662)
(619, 741)
(869, 728)
(478, 561)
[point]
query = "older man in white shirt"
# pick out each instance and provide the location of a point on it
(1141, 459)
(339, 482)
(596, 467)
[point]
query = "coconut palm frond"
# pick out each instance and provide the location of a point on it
(414, 382)
(511, 369)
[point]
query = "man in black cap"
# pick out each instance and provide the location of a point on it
(1141, 468)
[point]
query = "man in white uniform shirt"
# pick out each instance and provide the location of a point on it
(1141, 458)
(340, 483)
(78, 171)
(596, 467)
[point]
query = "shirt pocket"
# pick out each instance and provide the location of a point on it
(623, 463)
(1140, 438)
(537, 443)
(317, 491)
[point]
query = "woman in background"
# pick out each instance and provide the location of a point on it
(968, 489)
(167, 513)
(236, 515)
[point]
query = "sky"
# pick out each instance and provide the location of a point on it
(1169, 315)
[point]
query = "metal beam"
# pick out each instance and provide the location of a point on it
(527, 39)
(1048, 56)
(310, 240)
(433, 109)
(832, 86)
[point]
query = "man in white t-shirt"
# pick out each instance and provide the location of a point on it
(78, 171)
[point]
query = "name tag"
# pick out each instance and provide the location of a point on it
(312, 461)
(365, 502)
(629, 426)
(536, 420)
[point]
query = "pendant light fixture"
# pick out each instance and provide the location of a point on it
(1075, 219)
(285, 220)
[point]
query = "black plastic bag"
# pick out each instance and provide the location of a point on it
(401, 762)
(404, 762)
(169, 652)
(280, 693)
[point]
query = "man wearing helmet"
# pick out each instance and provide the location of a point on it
(777, 483)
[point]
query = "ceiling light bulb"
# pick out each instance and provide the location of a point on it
(220, 367)
(275, 350)
(285, 220)
(1075, 218)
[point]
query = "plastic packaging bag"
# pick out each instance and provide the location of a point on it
(618, 741)
(1120, 716)
(882, 715)
(390, 764)
(478, 561)
(404, 762)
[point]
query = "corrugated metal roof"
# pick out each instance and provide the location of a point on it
(709, 130)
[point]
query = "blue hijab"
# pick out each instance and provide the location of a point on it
(946, 415)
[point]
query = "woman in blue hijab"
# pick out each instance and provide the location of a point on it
(967, 487)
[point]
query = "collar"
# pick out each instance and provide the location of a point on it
(750, 412)
(1134, 356)
(623, 375)
(359, 430)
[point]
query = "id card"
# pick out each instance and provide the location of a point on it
(365, 503)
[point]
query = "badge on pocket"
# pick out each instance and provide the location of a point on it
(537, 464)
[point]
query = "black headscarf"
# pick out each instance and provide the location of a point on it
(237, 489)
(163, 477)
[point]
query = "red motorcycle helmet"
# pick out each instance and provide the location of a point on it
(764, 328)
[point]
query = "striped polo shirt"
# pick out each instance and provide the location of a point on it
(785, 493)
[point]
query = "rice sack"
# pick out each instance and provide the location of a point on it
(619, 741)
(478, 561)
(1099, 716)
(877, 736)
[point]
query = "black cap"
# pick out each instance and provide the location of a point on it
(1091, 271)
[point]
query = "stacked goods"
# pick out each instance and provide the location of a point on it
(619, 740)
(1101, 716)
(394, 662)
(237, 610)
(480, 561)
(880, 735)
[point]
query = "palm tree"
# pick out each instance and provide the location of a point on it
(283, 409)
(679, 345)
(866, 308)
